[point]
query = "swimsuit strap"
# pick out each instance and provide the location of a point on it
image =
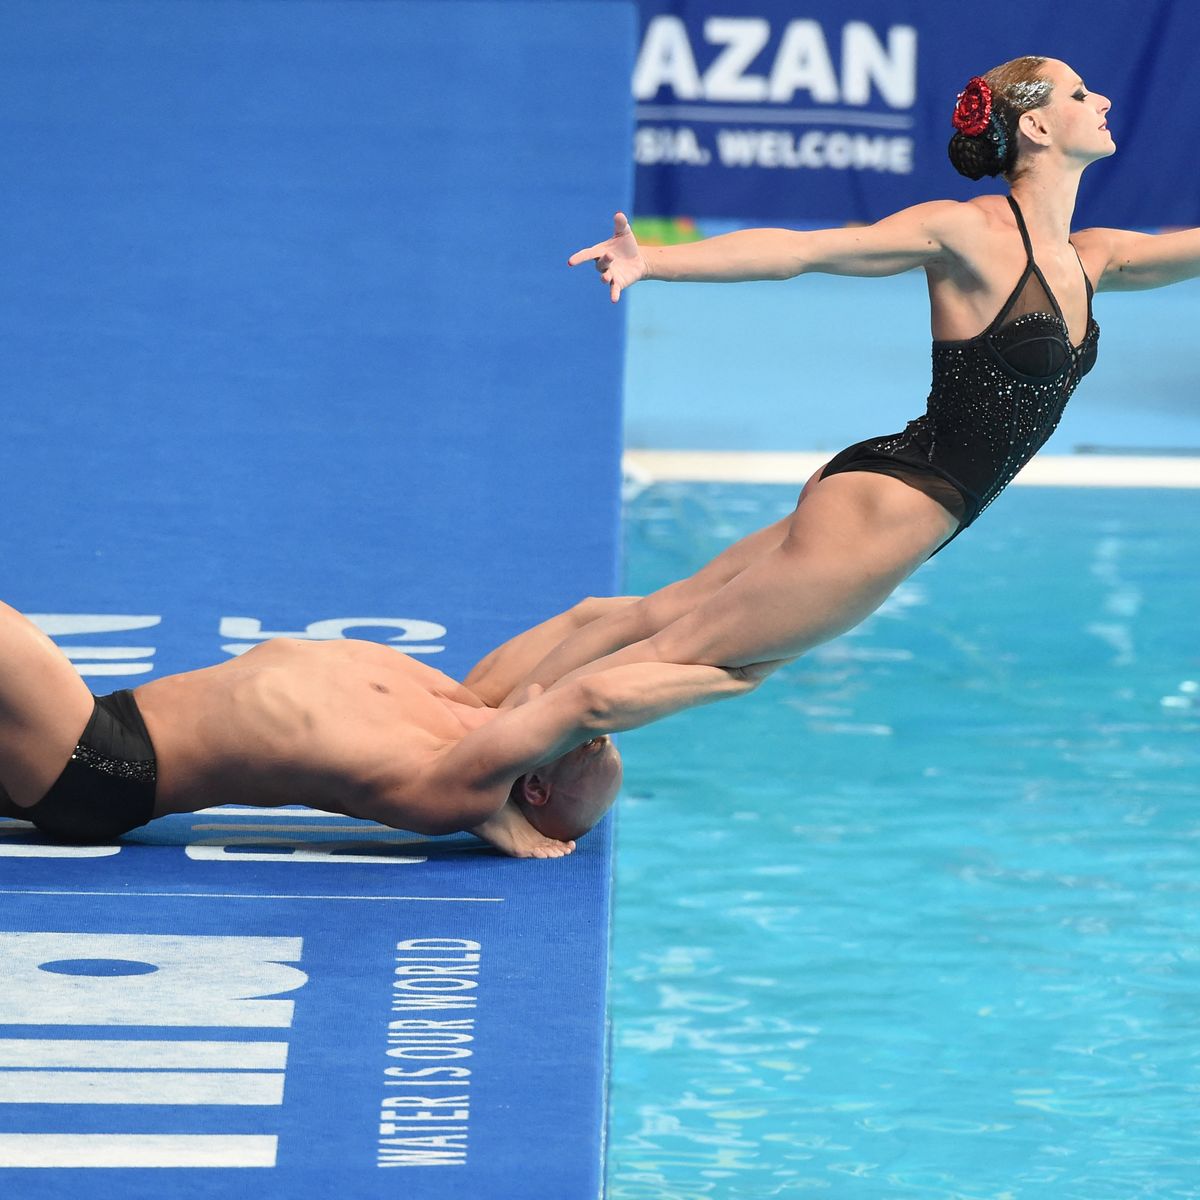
(1086, 280)
(1029, 252)
(1021, 226)
(1030, 269)
(1042, 279)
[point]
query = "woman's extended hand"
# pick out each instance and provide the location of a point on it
(619, 260)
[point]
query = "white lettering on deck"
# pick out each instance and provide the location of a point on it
(427, 1126)
(156, 980)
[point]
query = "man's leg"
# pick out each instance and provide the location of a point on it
(44, 706)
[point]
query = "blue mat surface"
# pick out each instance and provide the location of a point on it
(237, 989)
(290, 348)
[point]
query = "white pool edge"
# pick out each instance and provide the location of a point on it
(794, 467)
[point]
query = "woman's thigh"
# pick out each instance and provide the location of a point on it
(44, 706)
(658, 609)
(734, 559)
(854, 538)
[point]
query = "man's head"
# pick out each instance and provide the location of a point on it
(565, 798)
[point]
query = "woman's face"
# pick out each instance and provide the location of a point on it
(1076, 117)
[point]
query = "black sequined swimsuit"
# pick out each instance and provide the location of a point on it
(994, 401)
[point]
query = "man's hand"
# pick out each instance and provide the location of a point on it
(619, 260)
(523, 695)
(634, 694)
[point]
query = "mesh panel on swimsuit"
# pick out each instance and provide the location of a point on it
(1031, 336)
(994, 400)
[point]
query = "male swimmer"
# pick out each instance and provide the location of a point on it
(346, 726)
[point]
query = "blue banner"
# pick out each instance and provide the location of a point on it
(831, 112)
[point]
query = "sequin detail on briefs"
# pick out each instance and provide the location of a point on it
(142, 771)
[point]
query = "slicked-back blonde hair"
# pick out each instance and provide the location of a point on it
(1018, 86)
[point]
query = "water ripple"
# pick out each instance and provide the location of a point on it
(958, 959)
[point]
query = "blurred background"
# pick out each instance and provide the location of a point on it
(769, 113)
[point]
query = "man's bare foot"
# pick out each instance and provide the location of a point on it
(508, 831)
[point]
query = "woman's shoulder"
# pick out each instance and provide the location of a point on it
(985, 212)
(972, 216)
(1098, 242)
(964, 227)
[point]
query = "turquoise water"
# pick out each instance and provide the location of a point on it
(921, 917)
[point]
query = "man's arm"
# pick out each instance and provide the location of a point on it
(550, 724)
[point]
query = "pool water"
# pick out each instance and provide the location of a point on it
(921, 916)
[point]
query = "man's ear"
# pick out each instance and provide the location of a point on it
(535, 791)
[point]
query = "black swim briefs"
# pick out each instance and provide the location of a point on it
(107, 787)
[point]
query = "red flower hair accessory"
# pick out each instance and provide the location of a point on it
(974, 108)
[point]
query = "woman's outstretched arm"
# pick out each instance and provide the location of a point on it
(1132, 261)
(914, 237)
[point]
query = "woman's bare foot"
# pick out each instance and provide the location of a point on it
(508, 831)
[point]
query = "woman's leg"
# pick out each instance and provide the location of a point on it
(44, 706)
(634, 622)
(638, 621)
(853, 540)
(500, 672)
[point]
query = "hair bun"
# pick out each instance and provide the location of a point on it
(991, 152)
(975, 157)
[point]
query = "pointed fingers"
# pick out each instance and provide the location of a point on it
(582, 256)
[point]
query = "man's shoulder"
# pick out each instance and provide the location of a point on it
(436, 796)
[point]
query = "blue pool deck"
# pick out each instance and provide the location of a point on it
(262, 376)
